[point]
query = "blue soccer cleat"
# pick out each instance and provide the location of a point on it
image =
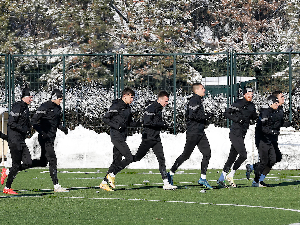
(204, 183)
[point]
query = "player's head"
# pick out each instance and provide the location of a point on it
(128, 95)
(273, 102)
(26, 96)
(279, 96)
(248, 93)
(198, 89)
(163, 98)
(57, 96)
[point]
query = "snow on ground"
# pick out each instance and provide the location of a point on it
(83, 148)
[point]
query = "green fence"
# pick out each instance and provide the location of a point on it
(91, 81)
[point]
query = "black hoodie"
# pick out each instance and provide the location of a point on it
(47, 119)
(18, 121)
(119, 117)
(241, 113)
(195, 116)
(153, 121)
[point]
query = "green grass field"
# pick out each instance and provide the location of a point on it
(140, 199)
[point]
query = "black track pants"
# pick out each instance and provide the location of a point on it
(120, 149)
(47, 155)
(237, 148)
(158, 151)
(267, 157)
(199, 140)
(19, 153)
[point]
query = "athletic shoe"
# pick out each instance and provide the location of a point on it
(3, 175)
(231, 181)
(105, 187)
(9, 191)
(170, 178)
(254, 184)
(111, 180)
(59, 188)
(222, 184)
(169, 187)
(204, 183)
(248, 171)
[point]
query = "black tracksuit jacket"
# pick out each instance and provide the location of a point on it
(241, 113)
(268, 125)
(47, 119)
(195, 116)
(153, 122)
(119, 117)
(18, 124)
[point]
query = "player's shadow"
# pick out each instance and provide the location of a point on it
(296, 182)
(146, 187)
(36, 194)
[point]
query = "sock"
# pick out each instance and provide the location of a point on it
(112, 174)
(223, 175)
(262, 177)
(231, 174)
(103, 182)
(171, 173)
(203, 176)
(56, 185)
(251, 167)
(166, 182)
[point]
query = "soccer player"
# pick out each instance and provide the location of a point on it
(279, 115)
(241, 113)
(267, 128)
(153, 123)
(119, 117)
(18, 127)
(45, 121)
(196, 118)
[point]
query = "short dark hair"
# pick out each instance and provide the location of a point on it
(162, 94)
(128, 91)
(275, 93)
(194, 85)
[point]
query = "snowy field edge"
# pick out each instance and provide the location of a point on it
(84, 148)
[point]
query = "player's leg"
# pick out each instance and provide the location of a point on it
(51, 158)
(204, 147)
(190, 144)
(16, 156)
(158, 151)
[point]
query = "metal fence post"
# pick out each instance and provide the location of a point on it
(115, 75)
(64, 86)
(228, 83)
(174, 89)
(122, 73)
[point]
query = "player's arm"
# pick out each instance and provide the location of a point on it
(108, 118)
(15, 114)
(233, 113)
(40, 113)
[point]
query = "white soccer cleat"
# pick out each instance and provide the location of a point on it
(58, 188)
(169, 187)
(231, 181)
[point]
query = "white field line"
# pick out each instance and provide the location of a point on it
(156, 200)
(200, 203)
